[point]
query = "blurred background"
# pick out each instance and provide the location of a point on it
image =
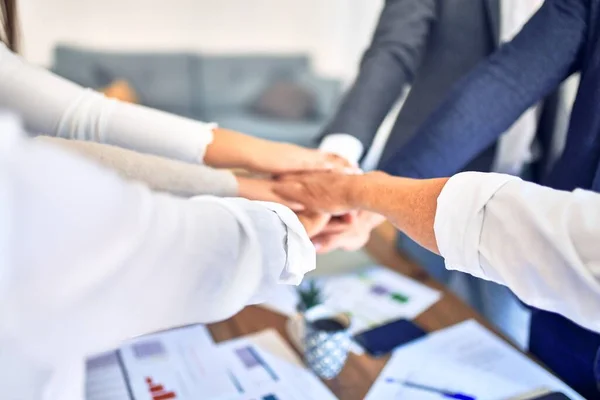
(271, 68)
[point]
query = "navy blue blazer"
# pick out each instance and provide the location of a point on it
(562, 38)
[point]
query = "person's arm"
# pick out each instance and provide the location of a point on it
(388, 65)
(55, 106)
(540, 242)
(158, 173)
(491, 98)
(89, 260)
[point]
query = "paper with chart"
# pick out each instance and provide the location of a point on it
(266, 368)
(373, 296)
(176, 364)
(185, 364)
(465, 358)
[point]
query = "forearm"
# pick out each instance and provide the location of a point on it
(407, 203)
(231, 149)
(158, 173)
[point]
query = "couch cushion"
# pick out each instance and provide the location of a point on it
(303, 133)
(285, 100)
(162, 81)
(225, 82)
(328, 92)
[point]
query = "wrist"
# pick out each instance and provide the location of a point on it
(364, 188)
(229, 149)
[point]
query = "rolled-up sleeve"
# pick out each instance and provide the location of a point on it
(539, 242)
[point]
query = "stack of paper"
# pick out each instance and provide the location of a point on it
(186, 364)
(464, 359)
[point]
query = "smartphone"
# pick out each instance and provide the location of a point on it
(385, 338)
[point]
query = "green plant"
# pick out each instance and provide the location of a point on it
(310, 296)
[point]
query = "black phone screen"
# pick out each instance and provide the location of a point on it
(383, 339)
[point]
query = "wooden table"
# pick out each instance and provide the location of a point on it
(361, 371)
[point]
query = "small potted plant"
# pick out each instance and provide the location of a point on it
(310, 296)
(326, 338)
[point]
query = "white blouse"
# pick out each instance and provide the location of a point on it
(55, 106)
(539, 242)
(87, 260)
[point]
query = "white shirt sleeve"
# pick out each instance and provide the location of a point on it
(54, 106)
(344, 145)
(540, 242)
(87, 260)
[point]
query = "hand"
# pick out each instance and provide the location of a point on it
(347, 234)
(320, 191)
(281, 158)
(262, 189)
(313, 222)
(231, 149)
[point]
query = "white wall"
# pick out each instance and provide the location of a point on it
(333, 32)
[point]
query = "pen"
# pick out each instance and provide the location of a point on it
(446, 393)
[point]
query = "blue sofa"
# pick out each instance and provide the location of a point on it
(219, 88)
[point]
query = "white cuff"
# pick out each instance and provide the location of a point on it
(459, 218)
(344, 145)
(301, 255)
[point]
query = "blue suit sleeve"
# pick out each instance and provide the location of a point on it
(491, 98)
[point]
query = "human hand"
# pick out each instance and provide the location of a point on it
(313, 222)
(231, 149)
(327, 192)
(262, 189)
(282, 158)
(345, 233)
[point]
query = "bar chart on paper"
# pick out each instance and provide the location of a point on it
(266, 368)
(179, 364)
(185, 364)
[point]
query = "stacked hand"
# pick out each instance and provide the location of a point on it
(315, 185)
(321, 196)
(330, 194)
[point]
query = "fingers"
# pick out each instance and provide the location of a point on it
(295, 207)
(348, 241)
(326, 243)
(330, 162)
(333, 161)
(261, 189)
(313, 222)
(291, 191)
(336, 225)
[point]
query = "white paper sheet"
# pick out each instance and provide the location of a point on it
(179, 363)
(372, 296)
(266, 368)
(464, 358)
(185, 364)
